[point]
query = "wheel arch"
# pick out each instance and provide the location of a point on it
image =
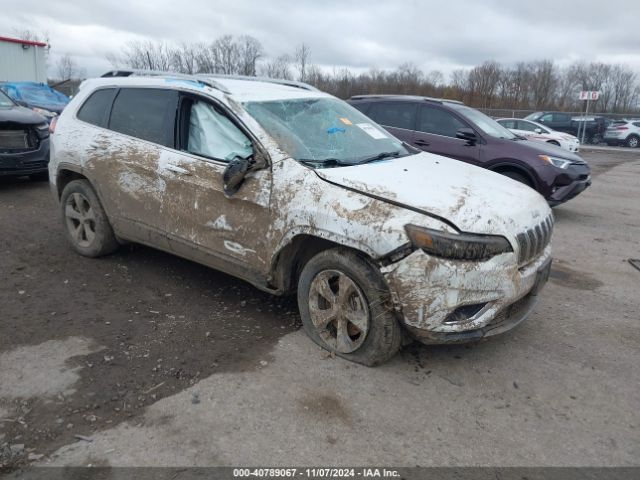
(293, 255)
(511, 166)
(67, 173)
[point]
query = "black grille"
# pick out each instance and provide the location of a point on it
(534, 241)
(18, 140)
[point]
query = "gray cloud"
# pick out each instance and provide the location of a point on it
(351, 33)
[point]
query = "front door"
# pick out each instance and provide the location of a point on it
(201, 221)
(436, 133)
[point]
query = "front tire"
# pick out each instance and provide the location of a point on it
(346, 307)
(518, 177)
(39, 177)
(85, 222)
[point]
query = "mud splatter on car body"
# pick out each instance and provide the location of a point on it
(286, 211)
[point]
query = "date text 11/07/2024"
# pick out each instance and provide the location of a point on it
(315, 472)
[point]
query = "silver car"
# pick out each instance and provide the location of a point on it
(623, 132)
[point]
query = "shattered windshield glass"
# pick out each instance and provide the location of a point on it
(325, 132)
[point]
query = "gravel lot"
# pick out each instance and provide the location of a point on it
(142, 358)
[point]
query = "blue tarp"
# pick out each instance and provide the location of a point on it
(36, 95)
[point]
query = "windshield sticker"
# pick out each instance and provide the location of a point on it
(335, 130)
(346, 121)
(371, 131)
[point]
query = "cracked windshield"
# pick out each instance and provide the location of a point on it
(325, 132)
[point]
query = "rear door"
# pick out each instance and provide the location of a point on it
(124, 159)
(398, 118)
(436, 133)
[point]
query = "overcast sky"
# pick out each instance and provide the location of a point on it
(442, 35)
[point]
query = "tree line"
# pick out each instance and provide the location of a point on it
(536, 85)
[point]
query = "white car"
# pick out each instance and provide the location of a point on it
(539, 133)
(292, 189)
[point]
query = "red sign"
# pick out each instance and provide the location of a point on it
(589, 95)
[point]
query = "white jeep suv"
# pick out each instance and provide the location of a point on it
(291, 190)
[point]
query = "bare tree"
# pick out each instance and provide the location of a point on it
(525, 85)
(250, 51)
(66, 67)
(301, 57)
(279, 67)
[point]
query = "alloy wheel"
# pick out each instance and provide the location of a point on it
(80, 219)
(339, 311)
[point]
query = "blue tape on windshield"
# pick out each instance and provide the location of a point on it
(335, 130)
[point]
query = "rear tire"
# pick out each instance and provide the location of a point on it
(633, 141)
(85, 222)
(346, 307)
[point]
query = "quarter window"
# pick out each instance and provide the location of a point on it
(438, 122)
(398, 115)
(145, 113)
(95, 109)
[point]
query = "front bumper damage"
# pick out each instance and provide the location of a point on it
(498, 295)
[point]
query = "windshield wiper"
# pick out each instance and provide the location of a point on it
(377, 157)
(323, 162)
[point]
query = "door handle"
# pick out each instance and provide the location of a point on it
(177, 169)
(422, 143)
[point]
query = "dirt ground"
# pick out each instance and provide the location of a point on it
(143, 325)
(104, 361)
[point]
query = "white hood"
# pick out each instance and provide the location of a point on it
(472, 198)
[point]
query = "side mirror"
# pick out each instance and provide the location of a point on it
(467, 134)
(234, 174)
(538, 130)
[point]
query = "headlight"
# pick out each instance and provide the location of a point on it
(42, 130)
(555, 161)
(44, 112)
(463, 246)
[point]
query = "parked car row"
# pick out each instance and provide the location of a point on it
(592, 128)
(539, 133)
(292, 189)
(623, 132)
(454, 130)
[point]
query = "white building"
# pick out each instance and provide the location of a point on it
(22, 60)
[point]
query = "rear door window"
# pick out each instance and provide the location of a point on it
(508, 123)
(529, 127)
(394, 114)
(561, 118)
(95, 109)
(361, 106)
(145, 113)
(439, 122)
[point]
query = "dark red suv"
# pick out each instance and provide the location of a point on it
(452, 129)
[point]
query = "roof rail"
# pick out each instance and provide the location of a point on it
(407, 97)
(207, 78)
(156, 73)
(288, 83)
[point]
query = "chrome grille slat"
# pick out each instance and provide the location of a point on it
(533, 241)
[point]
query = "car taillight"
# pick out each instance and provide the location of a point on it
(622, 128)
(52, 125)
